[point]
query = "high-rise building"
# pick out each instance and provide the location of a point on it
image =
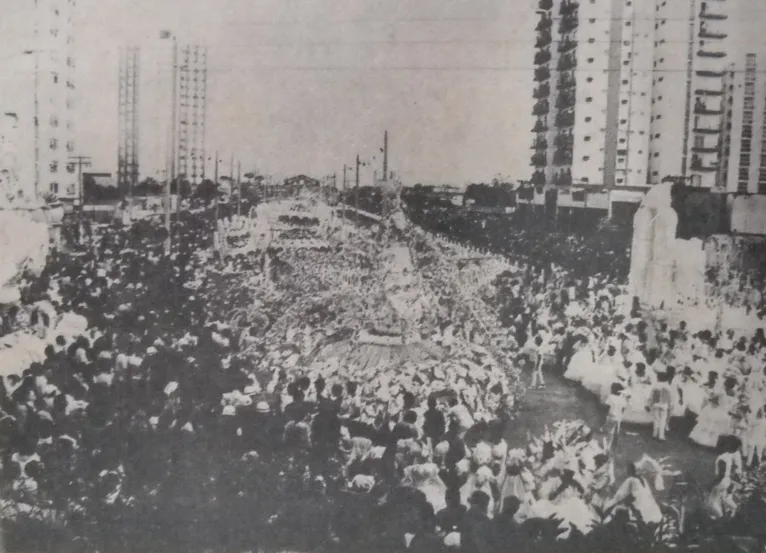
(630, 92)
(37, 98)
(160, 96)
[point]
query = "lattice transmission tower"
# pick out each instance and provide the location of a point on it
(128, 114)
(193, 113)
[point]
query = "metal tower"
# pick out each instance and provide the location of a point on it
(192, 101)
(127, 149)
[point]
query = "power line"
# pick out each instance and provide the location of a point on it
(316, 22)
(405, 42)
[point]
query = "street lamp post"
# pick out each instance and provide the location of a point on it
(36, 100)
(172, 152)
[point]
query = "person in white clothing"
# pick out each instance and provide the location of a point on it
(635, 495)
(616, 403)
(661, 402)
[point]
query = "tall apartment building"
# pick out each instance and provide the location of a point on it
(158, 97)
(635, 90)
(37, 99)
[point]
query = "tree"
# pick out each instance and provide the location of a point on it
(206, 190)
(147, 187)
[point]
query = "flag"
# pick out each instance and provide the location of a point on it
(165, 34)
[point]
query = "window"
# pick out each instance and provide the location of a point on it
(626, 62)
(657, 135)
(53, 143)
(70, 146)
(622, 141)
(54, 187)
(592, 20)
(589, 79)
(623, 121)
(70, 168)
(589, 99)
(699, 141)
(54, 166)
(620, 181)
(590, 60)
(55, 78)
(591, 40)
(626, 43)
(588, 119)
(54, 121)
(625, 81)
(656, 154)
(586, 158)
(624, 102)
(587, 138)
(628, 23)
(655, 173)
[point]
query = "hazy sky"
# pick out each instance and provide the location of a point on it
(303, 85)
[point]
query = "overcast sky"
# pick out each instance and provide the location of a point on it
(303, 85)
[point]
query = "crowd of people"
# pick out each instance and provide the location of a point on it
(283, 398)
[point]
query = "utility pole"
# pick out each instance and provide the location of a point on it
(239, 187)
(81, 161)
(356, 192)
(215, 211)
(385, 156)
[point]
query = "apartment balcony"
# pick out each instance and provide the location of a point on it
(564, 119)
(704, 33)
(545, 24)
(542, 91)
(563, 177)
(697, 165)
(565, 82)
(538, 177)
(707, 130)
(545, 5)
(563, 141)
(544, 39)
(567, 44)
(539, 143)
(539, 159)
(562, 157)
(708, 92)
(540, 126)
(706, 54)
(700, 108)
(542, 74)
(705, 14)
(565, 100)
(541, 107)
(706, 149)
(567, 62)
(568, 24)
(710, 74)
(568, 7)
(542, 56)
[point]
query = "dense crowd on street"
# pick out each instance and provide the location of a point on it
(163, 400)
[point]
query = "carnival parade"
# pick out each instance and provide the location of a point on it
(300, 379)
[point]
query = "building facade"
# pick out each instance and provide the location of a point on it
(634, 91)
(38, 103)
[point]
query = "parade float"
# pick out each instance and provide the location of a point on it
(697, 280)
